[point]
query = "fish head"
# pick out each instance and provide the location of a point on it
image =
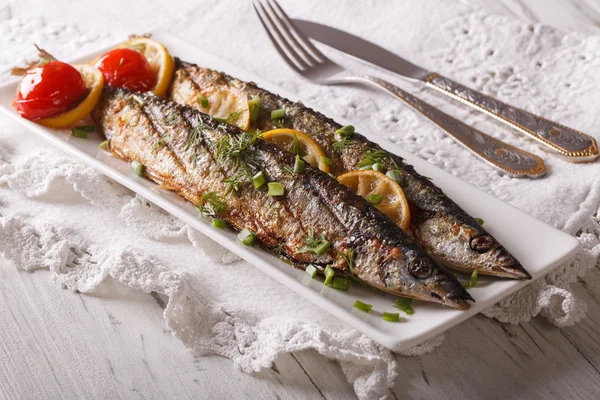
(466, 246)
(415, 275)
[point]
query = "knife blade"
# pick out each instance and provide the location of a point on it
(361, 49)
(565, 142)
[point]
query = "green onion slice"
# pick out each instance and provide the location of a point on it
(374, 198)
(139, 100)
(363, 306)
(105, 144)
(275, 189)
(479, 221)
(277, 114)
(364, 163)
(346, 131)
(82, 131)
(299, 165)
(329, 272)
(326, 160)
(254, 106)
(258, 180)
(203, 101)
(246, 237)
(322, 247)
(395, 175)
(341, 284)
(219, 223)
(392, 317)
(311, 271)
(137, 168)
(404, 304)
(377, 167)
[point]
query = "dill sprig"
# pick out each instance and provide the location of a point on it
(348, 256)
(374, 156)
(161, 142)
(233, 184)
(295, 147)
(231, 118)
(344, 144)
(238, 151)
(195, 137)
(211, 204)
(315, 244)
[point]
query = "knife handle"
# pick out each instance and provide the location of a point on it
(501, 155)
(572, 145)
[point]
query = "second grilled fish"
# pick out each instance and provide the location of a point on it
(211, 164)
(450, 235)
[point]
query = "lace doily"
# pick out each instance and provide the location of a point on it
(541, 69)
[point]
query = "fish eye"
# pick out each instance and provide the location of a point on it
(481, 243)
(421, 268)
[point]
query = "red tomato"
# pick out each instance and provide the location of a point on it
(48, 90)
(126, 68)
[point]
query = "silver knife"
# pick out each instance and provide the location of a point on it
(560, 140)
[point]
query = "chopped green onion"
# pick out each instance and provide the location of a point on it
(219, 223)
(329, 272)
(246, 237)
(474, 278)
(139, 100)
(374, 198)
(404, 304)
(299, 165)
(363, 306)
(322, 247)
(203, 101)
(105, 144)
(326, 160)
(254, 106)
(258, 180)
(137, 168)
(365, 167)
(82, 131)
(333, 176)
(346, 131)
(377, 167)
(365, 162)
(392, 317)
(395, 175)
(311, 271)
(341, 284)
(275, 189)
(479, 221)
(277, 114)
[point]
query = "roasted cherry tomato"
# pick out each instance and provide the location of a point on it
(48, 90)
(126, 68)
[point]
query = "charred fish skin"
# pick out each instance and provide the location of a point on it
(184, 149)
(449, 234)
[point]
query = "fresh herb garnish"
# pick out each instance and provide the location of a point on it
(238, 150)
(374, 156)
(341, 283)
(404, 304)
(344, 144)
(348, 256)
(473, 282)
(311, 271)
(203, 101)
(295, 146)
(479, 221)
(366, 307)
(391, 317)
(105, 144)
(329, 273)
(138, 168)
(138, 99)
(232, 184)
(161, 142)
(82, 131)
(211, 204)
(299, 165)
(315, 244)
(254, 108)
(247, 237)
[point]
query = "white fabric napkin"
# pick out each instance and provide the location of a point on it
(56, 213)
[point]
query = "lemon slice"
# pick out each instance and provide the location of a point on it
(159, 59)
(94, 82)
(287, 139)
(382, 191)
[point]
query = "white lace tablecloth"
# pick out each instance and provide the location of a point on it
(56, 213)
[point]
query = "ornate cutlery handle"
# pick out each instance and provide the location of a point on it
(575, 146)
(509, 159)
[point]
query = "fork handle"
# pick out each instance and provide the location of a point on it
(572, 145)
(503, 156)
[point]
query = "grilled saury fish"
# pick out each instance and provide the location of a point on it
(448, 234)
(211, 164)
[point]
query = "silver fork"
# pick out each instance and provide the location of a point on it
(300, 54)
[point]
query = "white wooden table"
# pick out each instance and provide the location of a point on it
(136, 357)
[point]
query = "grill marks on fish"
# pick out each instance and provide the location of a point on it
(179, 148)
(429, 204)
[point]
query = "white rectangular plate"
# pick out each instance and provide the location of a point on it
(509, 225)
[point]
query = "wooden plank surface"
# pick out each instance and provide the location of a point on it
(127, 352)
